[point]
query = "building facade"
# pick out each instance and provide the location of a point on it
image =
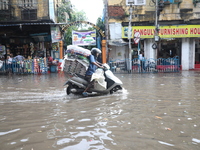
(175, 22)
(29, 27)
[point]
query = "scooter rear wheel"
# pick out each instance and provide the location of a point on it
(68, 90)
(111, 91)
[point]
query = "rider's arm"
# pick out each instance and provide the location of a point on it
(97, 64)
(93, 61)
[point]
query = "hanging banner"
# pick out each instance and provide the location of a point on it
(84, 38)
(180, 31)
(55, 34)
(2, 50)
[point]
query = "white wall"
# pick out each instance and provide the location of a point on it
(118, 52)
(149, 52)
(115, 31)
(185, 53)
(191, 53)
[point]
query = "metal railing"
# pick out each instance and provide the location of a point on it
(146, 65)
(40, 66)
(31, 66)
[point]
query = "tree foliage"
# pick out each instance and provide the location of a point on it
(100, 23)
(64, 12)
(68, 14)
(66, 9)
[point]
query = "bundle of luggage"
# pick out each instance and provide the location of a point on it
(75, 60)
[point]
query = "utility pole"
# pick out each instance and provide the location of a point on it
(156, 23)
(156, 36)
(106, 28)
(130, 2)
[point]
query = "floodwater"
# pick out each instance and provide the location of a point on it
(153, 112)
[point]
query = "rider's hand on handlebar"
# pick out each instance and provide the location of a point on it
(102, 67)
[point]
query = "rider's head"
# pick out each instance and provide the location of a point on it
(95, 52)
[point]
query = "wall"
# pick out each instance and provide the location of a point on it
(43, 11)
(118, 53)
(41, 6)
(185, 10)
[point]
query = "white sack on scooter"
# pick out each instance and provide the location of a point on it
(98, 76)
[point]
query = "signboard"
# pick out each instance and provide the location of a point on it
(136, 37)
(181, 31)
(2, 50)
(86, 22)
(84, 38)
(55, 34)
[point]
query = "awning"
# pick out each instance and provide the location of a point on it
(117, 42)
(28, 24)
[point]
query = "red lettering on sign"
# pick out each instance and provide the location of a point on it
(195, 31)
(145, 32)
(141, 32)
(135, 30)
(174, 31)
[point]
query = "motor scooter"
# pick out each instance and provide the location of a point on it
(105, 82)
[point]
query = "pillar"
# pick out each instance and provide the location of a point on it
(61, 49)
(149, 52)
(103, 42)
(192, 53)
(185, 52)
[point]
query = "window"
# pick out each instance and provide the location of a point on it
(29, 14)
(27, 3)
(28, 9)
(4, 4)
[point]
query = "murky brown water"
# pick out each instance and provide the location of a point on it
(154, 112)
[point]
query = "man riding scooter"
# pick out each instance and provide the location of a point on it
(94, 64)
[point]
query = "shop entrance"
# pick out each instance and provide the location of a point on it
(197, 54)
(170, 48)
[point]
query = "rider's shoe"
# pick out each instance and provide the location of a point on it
(85, 94)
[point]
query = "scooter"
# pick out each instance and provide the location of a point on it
(105, 82)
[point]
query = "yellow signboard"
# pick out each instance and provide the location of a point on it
(180, 31)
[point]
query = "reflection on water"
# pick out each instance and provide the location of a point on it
(154, 111)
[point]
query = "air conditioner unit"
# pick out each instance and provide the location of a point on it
(135, 2)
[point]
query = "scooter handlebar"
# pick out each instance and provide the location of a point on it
(105, 68)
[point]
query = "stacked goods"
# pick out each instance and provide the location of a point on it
(69, 66)
(76, 52)
(81, 67)
(75, 60)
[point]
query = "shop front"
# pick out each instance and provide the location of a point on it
(180, 41)
(34, 43)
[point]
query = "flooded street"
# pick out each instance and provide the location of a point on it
(153, 112)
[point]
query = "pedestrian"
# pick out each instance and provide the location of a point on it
(19, 57)
(10, 61)
(94, 64)
(20, 62)
(50, 59)
(142, 60)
